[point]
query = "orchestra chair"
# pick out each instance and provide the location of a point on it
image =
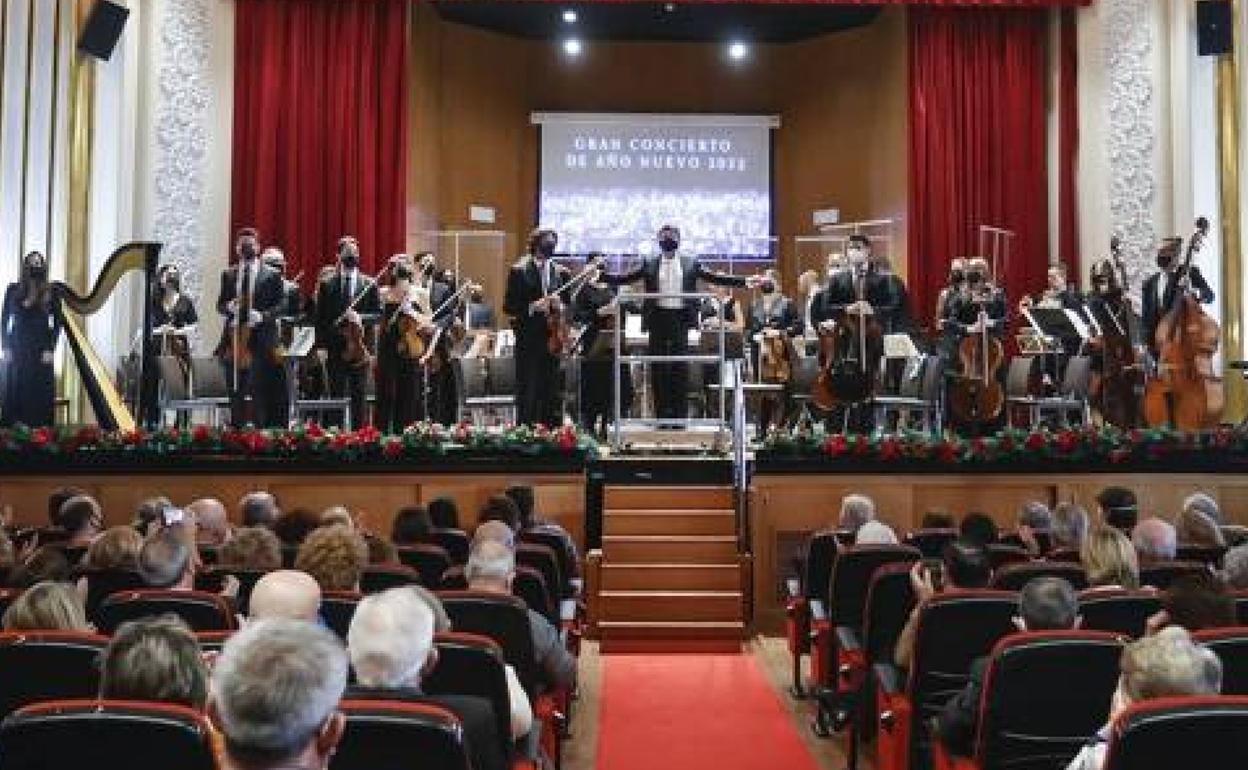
(808, 597)
(505, 620)
(211, 642)
(1064, 555)
(1044, 539)
(379, 577)
(175, 394)
(528, 585)
(395, 734)
(209, 390)
(838, 637)
(1072, 397)
(471, 664)
(1241, 607)
(455, 541)
(931, 542)
(47, 665)
(1118, 611)
(1231, 645)
(805, 371)
(1210, 555)
(1162, 574)
(429, 561)
(1030, 718)
(213, 581)
(953, 630)
(337, 610)
(1000, 555)
(1204, 732)
(137, 735)
(922, 394)
(103, 583)
(202, 611)
(1012, 577)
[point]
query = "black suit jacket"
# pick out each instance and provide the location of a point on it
(268, 296)
(1152, 312)
(524, 287)
(332, 301)
(783, 316)
(691, 272)
(476, 715)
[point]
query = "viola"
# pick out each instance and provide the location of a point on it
(976, 396)
(558, 328)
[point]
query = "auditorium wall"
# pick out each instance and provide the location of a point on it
(841, 100)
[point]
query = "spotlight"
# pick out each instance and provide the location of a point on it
(569, 16)
(572, 47)
(738, 50)
(669, 7)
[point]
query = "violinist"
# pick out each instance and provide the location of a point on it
(400, 377)
(1159, 289)
(173, 318)
(348, 305)
(29, 330)
(252, 297)
(774, 323)
(891, 300)
(535, 295)
(293, 310)
(594, 307)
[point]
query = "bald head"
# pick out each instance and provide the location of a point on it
(286, 593)
(211, 520)
(494, 532)
(1155, 540)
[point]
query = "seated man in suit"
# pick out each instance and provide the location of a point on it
(390, 644)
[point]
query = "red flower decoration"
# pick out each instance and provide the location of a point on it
(392, 448)
(890, 449)
(834, 445)
(1067, 441)
(1035, 441)
(200, 434)
(40, 437)
(946, 452)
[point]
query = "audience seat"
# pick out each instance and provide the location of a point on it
(1167, 733)
(1241, 607)
(102, 733)
(1064, 555)
(337, 610)
(1012, 577)
(471, 664)
(808, 595)
(1118, 611)
(47, 665)
(1162, 574)
(555, 541)
(429, 561)
(103, 583)
(211, 642)
(378, 577)
(954, 629)
(1234, 534)
(999, 555)
(1044, 539)
(7, 597)
(387, 735)
(214, 580)
(209, 555)
(1231, 645)
(545, 560)
(455, 542)
(201, 610)
(1030, 717)
(931, 542)
(290, 552)
(528, 584)
(1210, 555)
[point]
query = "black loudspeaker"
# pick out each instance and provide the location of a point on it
(103, 29)
(1214, 27)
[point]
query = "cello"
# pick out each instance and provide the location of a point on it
(853, 357)
(1120, 383)
(976, 396)
(1185, 392)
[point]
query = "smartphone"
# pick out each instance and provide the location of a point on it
(170, 515)
(936, 570)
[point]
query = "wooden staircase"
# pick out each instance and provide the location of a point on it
(669, 577)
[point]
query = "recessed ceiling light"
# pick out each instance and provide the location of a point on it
(669, 7)
(738, 50)
(569, 16)
(572, 47)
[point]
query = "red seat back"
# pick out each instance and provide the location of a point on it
(47, 665)
(471, 664)
(1168, 733)
(1012, 577)
(430, 561)
(338, 608)
(379, 577)
(1231, 645)
(1162, 574)
(202, 611)
(383, 735)
(1118, 611)
(505, 619)
(851, 577)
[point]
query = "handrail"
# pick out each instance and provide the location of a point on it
(740, 469)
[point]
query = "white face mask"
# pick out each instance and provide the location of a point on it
(857, 257)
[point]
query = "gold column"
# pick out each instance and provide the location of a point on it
(1232, 245)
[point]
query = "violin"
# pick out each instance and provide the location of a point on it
(432, 360)
(976, 396)
(558, 328)
(355, 353)
(1186, 393)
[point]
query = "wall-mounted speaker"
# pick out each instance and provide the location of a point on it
(100, 34)
(1214, 27)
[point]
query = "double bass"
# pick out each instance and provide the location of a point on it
(1119, 385)
(1185, 392)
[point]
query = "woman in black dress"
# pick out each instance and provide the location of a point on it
(173, 316)
(400, 377)
(29, 330)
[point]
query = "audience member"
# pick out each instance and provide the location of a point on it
(57, 498)
(856, 510)
(117, 548)
(1194, 602)
(495, 531)
(335, 556)
(155, 659)
(293, 526)
(337, 515)
(47, 606)
(964, 565)
(380, 550)
(569, 560)
(1235, 568)
(444, 513)
(1155, 540)
(258, 509)
(979, 528)
(1119, 508)
(390, 644)
(1035, 520)
(285, 593)
(500, 508)
(165, 560)
(1195, 527)
(491, 567)
(47, 563)
(212, 522)
(147, 516)
(274, 696)
(412, 526)
(937, 520)
(1202, 502)
(1070, 526)
(1044, 604)
(1109, 560)
(875, 533)
(1164, 665)
(252, 548)
(82, 518)
(8, 558)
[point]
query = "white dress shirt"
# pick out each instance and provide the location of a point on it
(670, 281)
(351, 279)
(238, 280)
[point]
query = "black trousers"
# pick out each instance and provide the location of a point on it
(598, 392)
(537, 382)
(264, 383)
(443, 403)
(349, 382)
(669, 336)
(400, 393)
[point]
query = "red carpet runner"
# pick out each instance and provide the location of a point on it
(693, 712)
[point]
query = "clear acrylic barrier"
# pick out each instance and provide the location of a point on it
(811, 252)
(482, 256)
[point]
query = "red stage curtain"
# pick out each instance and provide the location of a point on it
(320, 126)
(977, 143)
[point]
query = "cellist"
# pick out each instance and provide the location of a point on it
(982, 302)
(1160, 287)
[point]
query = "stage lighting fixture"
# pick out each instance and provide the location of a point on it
(738, 50)
(572, 47)
(569, 16)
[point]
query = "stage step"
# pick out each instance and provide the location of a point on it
(670, 636)
(666, 606)
(650, 498)
(680, 577)
(669, 549)
(670, 521)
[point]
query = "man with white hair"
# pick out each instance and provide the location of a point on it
(1203, 503)
(1235, 568)
(390, 644)
(875, 533)
(285, 593)
(1155, 540)
(212, 523)
(491, 567)
(856, 510)
(274, 695)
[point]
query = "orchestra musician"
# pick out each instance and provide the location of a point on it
(251, 298)
(293, 310)
(594, 307)
(348, 305)
(535, 291)
(173, 318)
(400, 376)
(478, 313)
(807, 290)
(668, 321)
(980, 292)
(1108, 301)
(774, 323)
(29, 330)
(858, 282)
(1058, 293)
(1159, 288)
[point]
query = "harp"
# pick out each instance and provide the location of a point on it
(110, 409)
